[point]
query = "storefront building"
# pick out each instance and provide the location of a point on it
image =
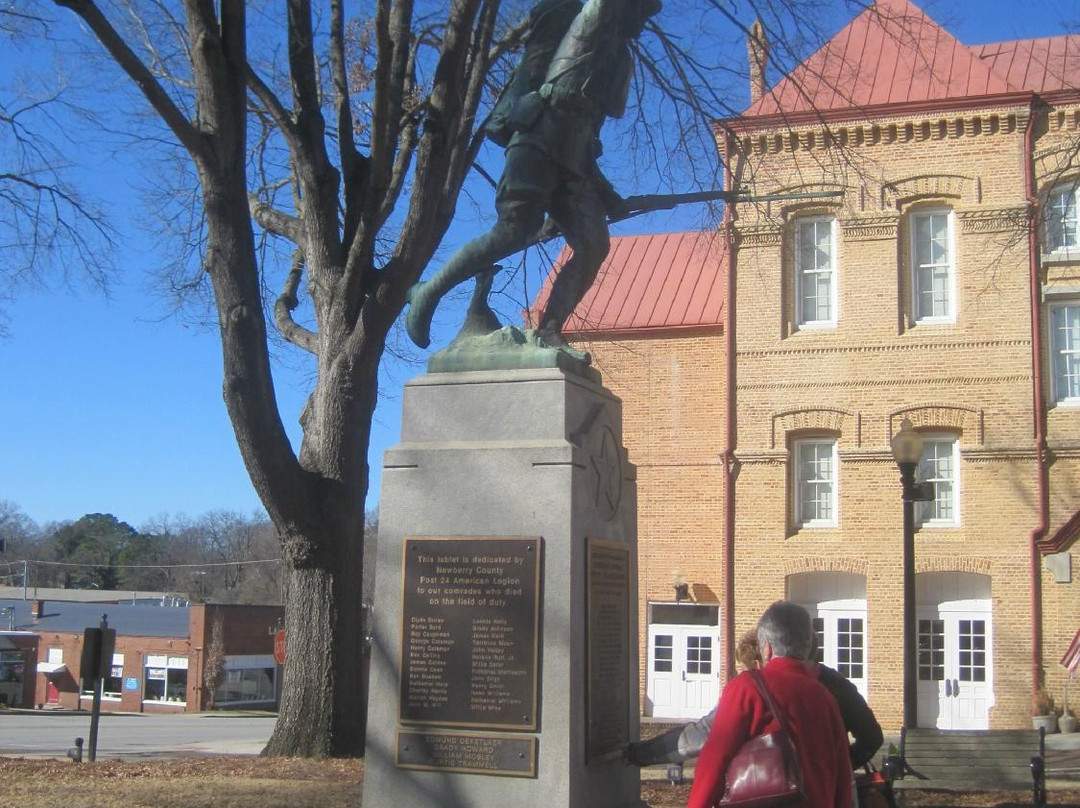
(167, 658)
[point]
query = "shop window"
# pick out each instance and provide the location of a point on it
(245, 685)
(166, 679)
(12, 676)
(112, 686)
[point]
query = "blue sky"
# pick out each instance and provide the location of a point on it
(109, 405)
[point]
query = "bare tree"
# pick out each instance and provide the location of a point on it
(350, 146)
(46, 222)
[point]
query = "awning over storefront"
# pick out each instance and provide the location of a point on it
(51, 668)
(1071, 660)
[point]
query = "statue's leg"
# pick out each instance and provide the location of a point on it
(579, 213)
(520, 205)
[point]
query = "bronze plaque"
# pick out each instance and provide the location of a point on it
(470, 632)
(607, 601)
(467, 753)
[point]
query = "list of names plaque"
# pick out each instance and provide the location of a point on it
(608, 637)
(469, 634)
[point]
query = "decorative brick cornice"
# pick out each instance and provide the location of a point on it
(758, 235)
(995, 220)
(966, 420)
(871, 228)
(865, 384)
(815, 419)
(892, 347)
(1007, 454)
(953, 186)
(1060, 120)
(787, 136)
(866, 456)
(762, 458)
(954, 563)
(802, 565)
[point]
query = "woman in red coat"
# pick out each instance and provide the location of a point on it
(785, 633)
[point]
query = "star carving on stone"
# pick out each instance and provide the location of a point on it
(607, 474)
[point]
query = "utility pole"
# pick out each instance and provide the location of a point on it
(25, 568)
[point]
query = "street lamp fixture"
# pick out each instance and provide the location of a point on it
(907, 447)
(682, 589)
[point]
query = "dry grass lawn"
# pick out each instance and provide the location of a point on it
(248, 782)
(227, 782)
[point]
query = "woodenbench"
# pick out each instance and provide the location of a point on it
(963, 759)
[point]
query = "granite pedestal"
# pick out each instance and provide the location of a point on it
(504, 668)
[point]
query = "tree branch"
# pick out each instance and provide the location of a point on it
(277, 222)
(140, 74)
(287, 303)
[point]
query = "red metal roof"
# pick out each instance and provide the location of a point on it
(891, 53)
(659, 281)
(1043, 65)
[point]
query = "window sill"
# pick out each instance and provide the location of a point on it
(816, 326)
(935, 321)
(1069, 256)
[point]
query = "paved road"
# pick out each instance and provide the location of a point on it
(49, 734)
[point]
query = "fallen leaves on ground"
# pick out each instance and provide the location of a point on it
(204, 782)
(252, 782)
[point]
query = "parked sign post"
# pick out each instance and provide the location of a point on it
(95, 665)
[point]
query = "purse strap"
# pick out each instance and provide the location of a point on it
(759, 680)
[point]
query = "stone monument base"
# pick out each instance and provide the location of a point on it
(504, 662)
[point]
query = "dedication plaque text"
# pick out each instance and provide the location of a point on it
(467, 753)
(607, 600)
(469, 633)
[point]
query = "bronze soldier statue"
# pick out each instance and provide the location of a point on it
(551, 133)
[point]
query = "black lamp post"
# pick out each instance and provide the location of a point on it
(907, 451)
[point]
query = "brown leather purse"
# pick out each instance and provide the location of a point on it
(765, 773)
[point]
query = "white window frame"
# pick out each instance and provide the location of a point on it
(802, 520)
(1053, 211)
(916, 270)
(935, 439)
(801, 273)
(164, 663)
(1058, 392)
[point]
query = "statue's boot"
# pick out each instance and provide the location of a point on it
(551, 337)
(422, 305)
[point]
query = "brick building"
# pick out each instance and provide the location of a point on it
(160, 662)
(764, 369)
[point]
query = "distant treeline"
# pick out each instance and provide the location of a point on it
(208, 558)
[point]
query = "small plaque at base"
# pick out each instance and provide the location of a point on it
(466, 753)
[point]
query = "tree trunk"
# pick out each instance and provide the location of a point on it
(323, 697)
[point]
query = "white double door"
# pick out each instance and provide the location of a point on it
(955, 665)
(683, 677)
